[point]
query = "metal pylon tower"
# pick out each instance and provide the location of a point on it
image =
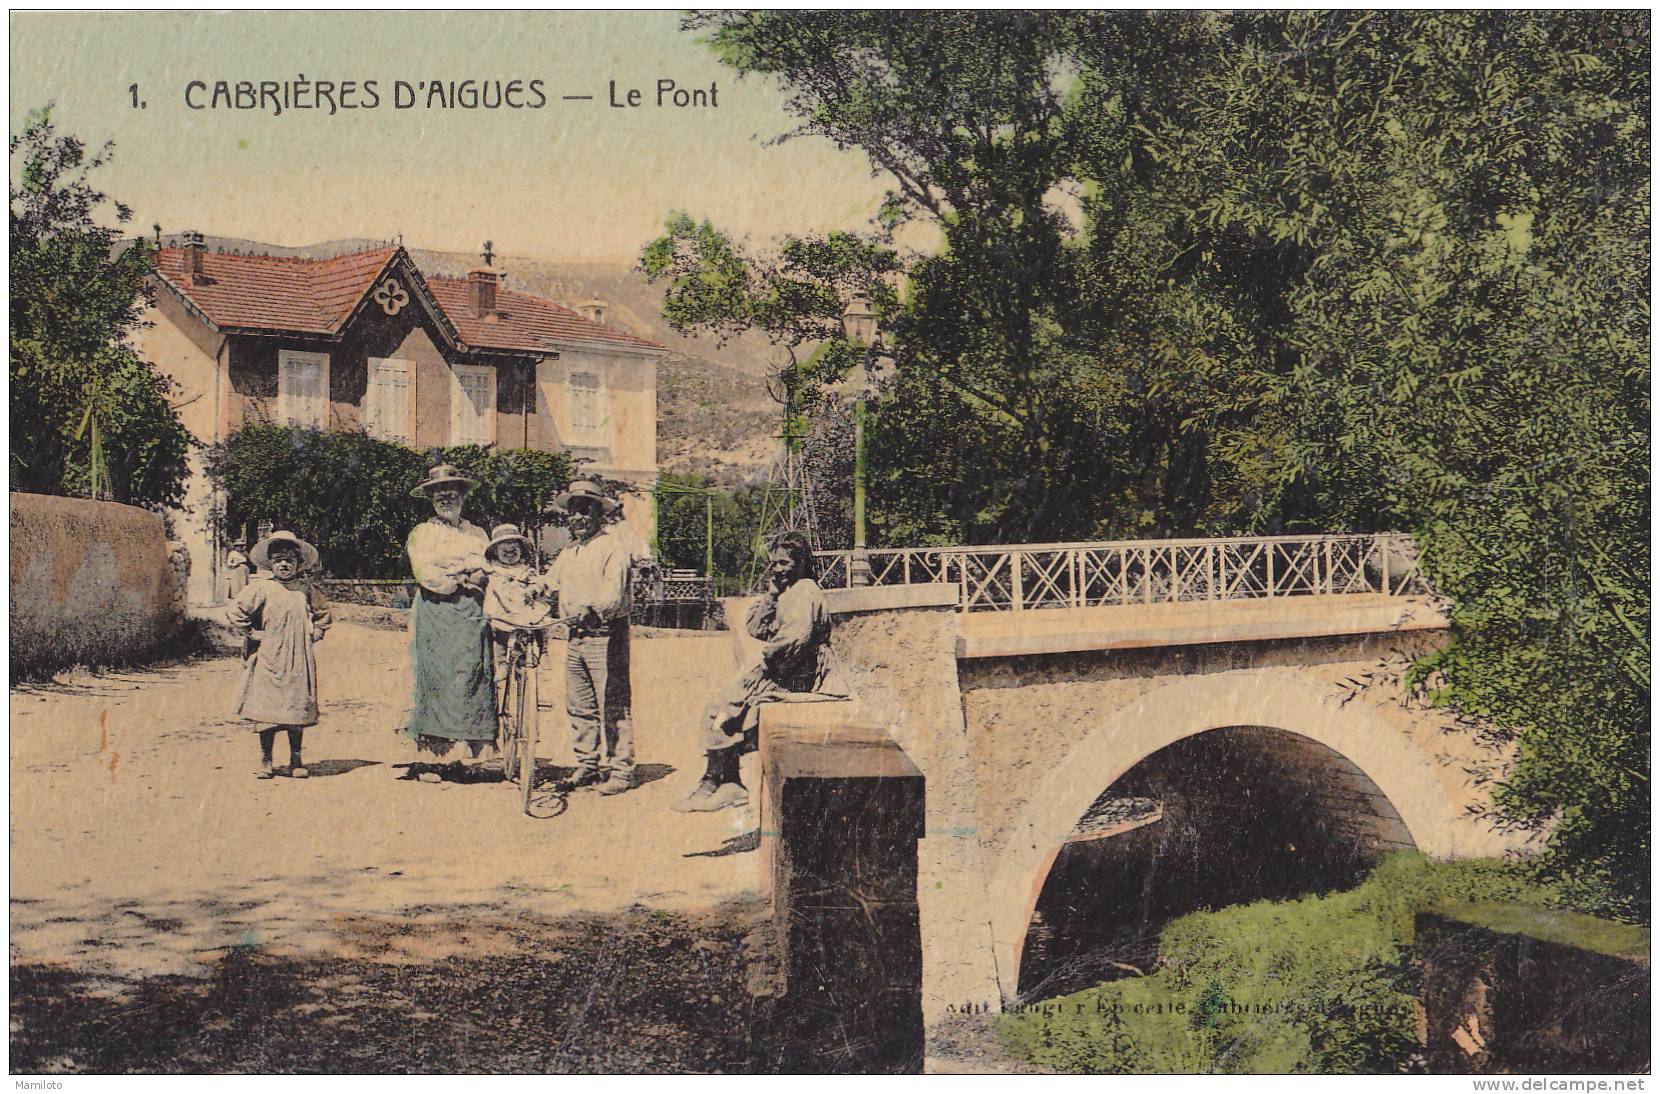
(787, 502)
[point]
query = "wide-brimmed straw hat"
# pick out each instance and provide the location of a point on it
(444, 475)
(506, 533)
(261, 554)
(582, 488)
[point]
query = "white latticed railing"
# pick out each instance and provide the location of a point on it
(1021, 577)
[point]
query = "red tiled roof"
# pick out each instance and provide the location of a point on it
(265, 292)
(521, 321)
(317, 296)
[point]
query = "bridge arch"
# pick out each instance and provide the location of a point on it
(1413, 780)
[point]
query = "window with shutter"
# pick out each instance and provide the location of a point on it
(587, 406)
(302, 388)
(386, 406)
(473, 405)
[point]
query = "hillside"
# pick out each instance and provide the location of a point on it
(713, 413)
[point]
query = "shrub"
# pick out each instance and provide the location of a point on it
(1320, 984)
(348, 493)
(683, 526)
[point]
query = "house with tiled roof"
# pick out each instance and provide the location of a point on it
(366, 341)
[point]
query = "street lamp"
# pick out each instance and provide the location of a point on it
(859, 324)
(858, 321)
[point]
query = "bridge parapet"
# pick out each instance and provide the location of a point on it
(1027, 576)
(842, 809)
(1193, 623)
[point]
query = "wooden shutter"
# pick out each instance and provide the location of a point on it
(587, 405)
(302, 388)
(387, 405)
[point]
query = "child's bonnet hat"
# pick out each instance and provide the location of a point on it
(261, 554)
(506, 533)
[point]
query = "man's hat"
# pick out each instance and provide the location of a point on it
(582, 488)
(444, 475)
(261, 554)
(506, 533)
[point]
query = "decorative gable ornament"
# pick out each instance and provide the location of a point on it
(391, 296)
(322, 297)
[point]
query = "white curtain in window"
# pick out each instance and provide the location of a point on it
(386, 407)
(473, 405)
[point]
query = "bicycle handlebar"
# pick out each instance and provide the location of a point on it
(550, 624)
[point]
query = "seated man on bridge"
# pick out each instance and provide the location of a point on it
(796, 663)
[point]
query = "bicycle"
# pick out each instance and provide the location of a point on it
(519, 716)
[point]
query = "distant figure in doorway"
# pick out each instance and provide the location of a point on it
(794, 624)
(236, 568)
(284, 617)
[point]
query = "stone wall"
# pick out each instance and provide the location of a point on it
(1503, 988)
(1330, 786)
(91, 583)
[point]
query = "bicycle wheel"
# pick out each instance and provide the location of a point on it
(512, 714)
(529, 716)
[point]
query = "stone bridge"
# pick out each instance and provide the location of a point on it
(1095, 728)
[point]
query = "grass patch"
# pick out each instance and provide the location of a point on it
(1582, 932)
(1321, 984)
(187, 640)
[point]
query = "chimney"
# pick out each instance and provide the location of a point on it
(481, 285)
(593, 310)
(194, 248)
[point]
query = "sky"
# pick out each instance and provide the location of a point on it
(572, 181)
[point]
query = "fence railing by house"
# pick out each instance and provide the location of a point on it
(681, 599)
(681, 585)
(1021, 577)
(673, 598)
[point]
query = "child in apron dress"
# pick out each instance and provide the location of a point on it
(285, 617)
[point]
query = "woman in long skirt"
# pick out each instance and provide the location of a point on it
(454, 702)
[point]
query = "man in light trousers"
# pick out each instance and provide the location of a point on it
(592, 576)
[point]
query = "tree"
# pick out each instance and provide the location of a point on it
(1451, 212)
(795, 296)
(88, 415)
(1257, 271)
(1022, 408)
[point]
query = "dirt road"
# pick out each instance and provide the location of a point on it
(170, 911)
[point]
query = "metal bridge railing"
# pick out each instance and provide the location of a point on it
(1021, 577)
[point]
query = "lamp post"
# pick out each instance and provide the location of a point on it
(859, 324)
